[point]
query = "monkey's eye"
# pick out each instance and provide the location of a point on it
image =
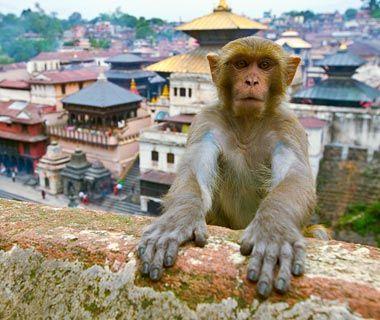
(265, 64)
(241, 64)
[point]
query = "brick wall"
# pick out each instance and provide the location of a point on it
(347, 175)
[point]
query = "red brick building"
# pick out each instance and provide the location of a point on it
(22, 135)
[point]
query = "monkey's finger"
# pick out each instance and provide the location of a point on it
(299, 258)
(147, 257)
(255, 262)
(171, 253)
(264, 286)
(246, 243)
(200, 236)
(284, 276)
(155, 271)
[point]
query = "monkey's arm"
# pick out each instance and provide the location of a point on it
(186, 205)
(275, 232)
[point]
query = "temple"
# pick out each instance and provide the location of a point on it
(49, 169)
(104, 120)
(127, 67)
(339, 89)
(212, 32)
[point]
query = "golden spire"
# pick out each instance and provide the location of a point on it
(343, 47)
(223, 6)
(133, 87)
(165, 91)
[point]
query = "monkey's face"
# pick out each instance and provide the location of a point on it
(250, 84)
(251, 74)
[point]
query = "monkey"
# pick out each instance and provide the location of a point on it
(245, 167)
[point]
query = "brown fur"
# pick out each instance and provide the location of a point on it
(246, 166)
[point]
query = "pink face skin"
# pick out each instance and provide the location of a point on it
(251, 84)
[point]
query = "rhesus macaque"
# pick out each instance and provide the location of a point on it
(246, 166)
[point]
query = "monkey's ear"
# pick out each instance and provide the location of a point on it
(213, 59)
(292, 65)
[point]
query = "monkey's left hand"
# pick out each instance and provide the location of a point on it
(266, 248)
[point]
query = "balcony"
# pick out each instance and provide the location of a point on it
(95, 137)
(163, 134)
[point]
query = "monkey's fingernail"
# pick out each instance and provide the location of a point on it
(297, 270)
(169, 261)
(141, 251)
(155, 274)
(281, 285)
(145, 268)
(252, 275)
(263, 289)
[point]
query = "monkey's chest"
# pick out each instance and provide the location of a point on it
(243, 183)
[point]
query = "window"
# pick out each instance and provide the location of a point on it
(182, 92)
(47, 184)
(63, 89)
(190, 92)
(154, 156)
(170, 157)
(175, 91)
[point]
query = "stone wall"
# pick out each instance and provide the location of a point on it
(81, 264)
(347, 175)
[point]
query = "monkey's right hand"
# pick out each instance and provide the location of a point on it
(160, 242)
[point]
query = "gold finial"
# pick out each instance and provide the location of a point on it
(343, 47)
(133, 87)
(223, 6)
(165, 91)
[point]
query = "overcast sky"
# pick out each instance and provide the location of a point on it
(175, 10)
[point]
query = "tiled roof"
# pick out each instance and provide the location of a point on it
(66, 76)
(102, 94)
(221, 20)
(341, 59)
(294, 42)
(129, 74)
(158, 177)
(192, 62)
(15, 84)
(23, 112)
(339, 90)
(125, 58)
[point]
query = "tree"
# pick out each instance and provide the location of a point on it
(350, 14)
(75, 18)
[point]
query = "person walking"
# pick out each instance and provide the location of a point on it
(13, 176)
(43, 194)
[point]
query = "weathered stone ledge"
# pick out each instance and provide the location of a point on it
(81, 264)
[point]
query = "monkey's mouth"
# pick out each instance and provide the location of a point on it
(251, 99)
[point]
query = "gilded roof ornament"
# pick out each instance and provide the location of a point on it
(223, 6)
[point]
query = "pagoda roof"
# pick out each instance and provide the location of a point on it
(294, 42)
(342, 58)
(97, 171)
(339, 89)
(130, 74)
(102, 94)
(191, 62)
(222, 18)
(125, 58)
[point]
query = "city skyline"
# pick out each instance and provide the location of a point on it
(167, 10)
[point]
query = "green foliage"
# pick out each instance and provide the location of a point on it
(100, 43)
(44, 30)
(4, 59)
(143, 29)
(350, 14)
(363, 219)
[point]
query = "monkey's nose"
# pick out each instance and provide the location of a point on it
(251, 83)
